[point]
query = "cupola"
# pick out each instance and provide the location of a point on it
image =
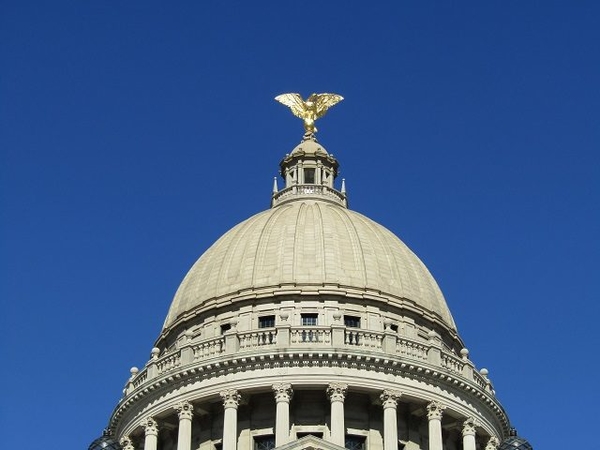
(309, 171)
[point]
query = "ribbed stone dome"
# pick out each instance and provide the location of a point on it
(308, 245)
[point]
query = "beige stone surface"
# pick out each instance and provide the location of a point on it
(308, 243)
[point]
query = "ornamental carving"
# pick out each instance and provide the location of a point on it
(185, 410)
(468, 428)
(493, 443)
(337, 392)
(389, 398)
(283, 392)
(126, 443)
(435, 410)
(150, 426)
(231, 398)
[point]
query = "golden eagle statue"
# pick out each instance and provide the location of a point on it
(310, 110)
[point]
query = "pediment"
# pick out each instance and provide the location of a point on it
(310, 443)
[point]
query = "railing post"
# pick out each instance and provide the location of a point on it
(232, 340)
(151, 366)
(468, 367)
(338, 330)
(434, 352)
(187, 354)
(129, 387)
(389, 337)
(283, 331)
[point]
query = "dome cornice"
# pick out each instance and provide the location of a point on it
(281, 366)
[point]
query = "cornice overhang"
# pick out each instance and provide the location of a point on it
(275, 360)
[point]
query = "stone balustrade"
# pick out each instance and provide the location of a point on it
(452, 363)
(308, 190)
(412, 349)
(257, 338)
(208, 349)
(310, 335)
(300, 338)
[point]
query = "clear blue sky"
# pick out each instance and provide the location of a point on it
(133, 134)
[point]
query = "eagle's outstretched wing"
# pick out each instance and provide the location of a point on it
(294, 102)
(324, 101)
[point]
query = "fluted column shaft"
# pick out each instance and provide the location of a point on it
(283, 395)
(185, 411)
(389, 401)
(434, 415)
(231, 400)
(337, 394)
(468, 434)
(150, 434)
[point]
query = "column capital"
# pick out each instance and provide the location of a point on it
(435, 410)
(337, 392)
(389, 398)
(126, 443)
(283, 392)
(493, 443)
(185, 410)
(231, 398)
(468, 428)
(150, 426)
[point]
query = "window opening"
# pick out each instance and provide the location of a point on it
(309, 320)
(354, 442)
(264, 442)
(351, 336)
(266, 322)
(309, 176)
(225, 327)
(352, 321)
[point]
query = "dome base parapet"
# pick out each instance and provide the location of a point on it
(168, 374)
(418, 380)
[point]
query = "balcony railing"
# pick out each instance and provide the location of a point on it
(308, 190)
(336, 338)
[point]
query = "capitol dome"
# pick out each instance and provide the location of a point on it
(309, 245)
(305, 326)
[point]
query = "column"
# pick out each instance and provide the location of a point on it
(283, 396)
(389, 401)
(434, 415)
(337, 394)
(231, 400)
(126, 443)
(185, 410)
(493, 443)
(468, 434)
(151, 434)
